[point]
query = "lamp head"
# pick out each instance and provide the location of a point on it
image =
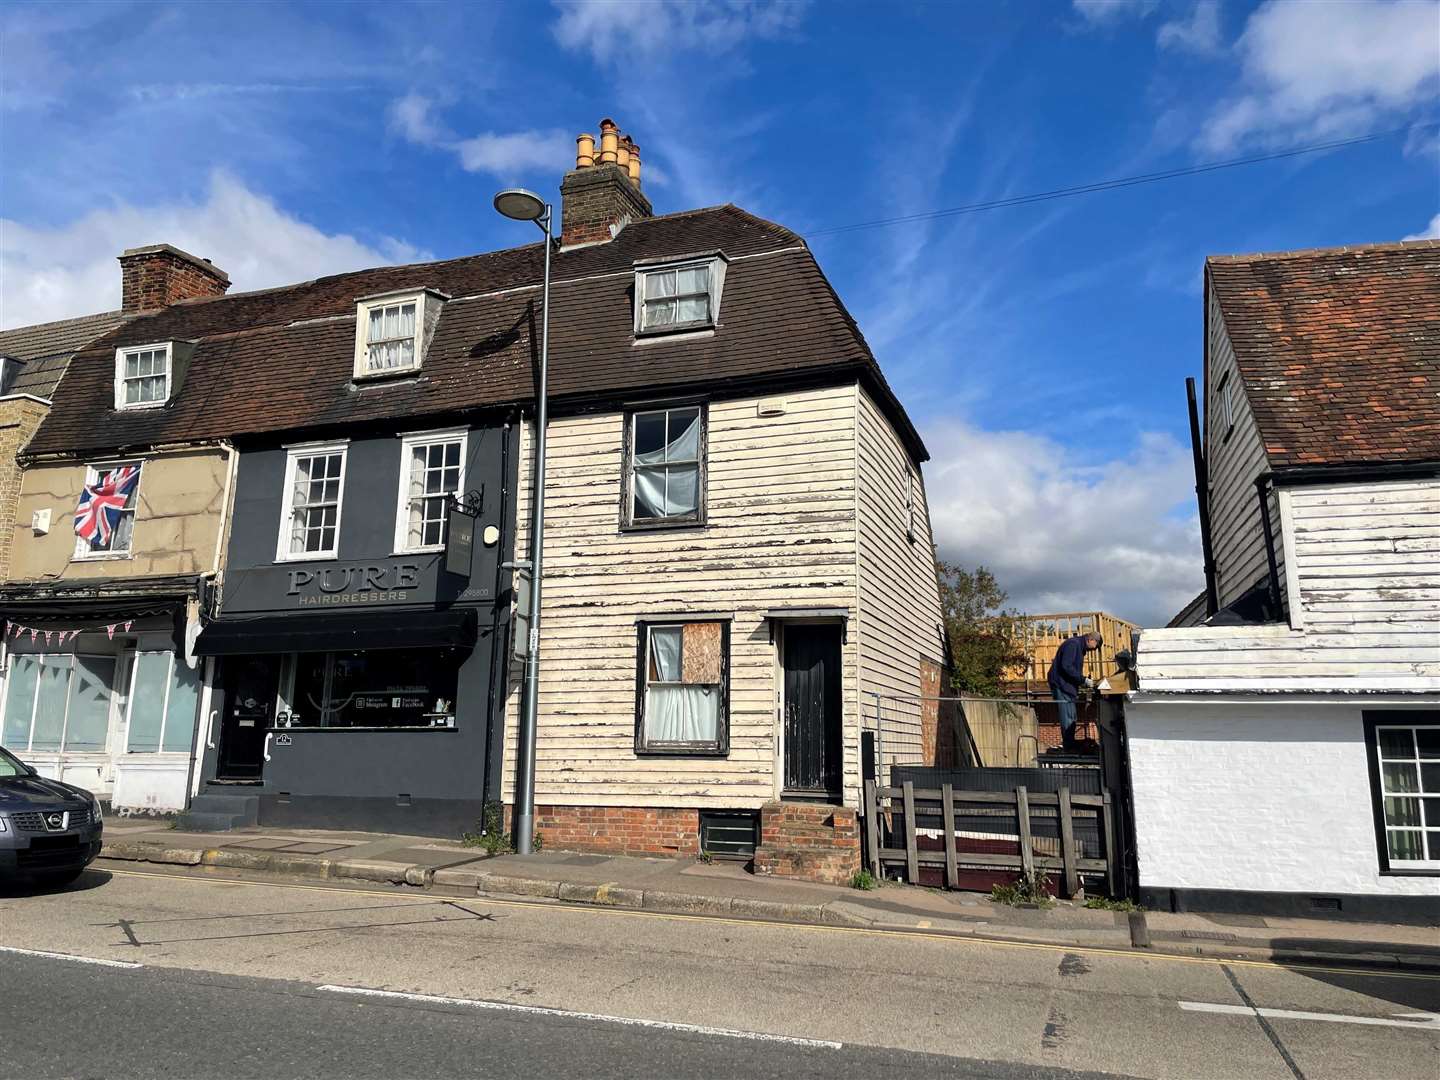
(520, 205)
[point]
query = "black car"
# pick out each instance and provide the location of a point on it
(49, 831)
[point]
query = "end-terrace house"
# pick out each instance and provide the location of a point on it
(1285, 753)
(107, 550)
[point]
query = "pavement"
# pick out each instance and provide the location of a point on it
(684, 886)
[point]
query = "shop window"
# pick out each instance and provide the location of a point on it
(664, 472)
(58, 702)
(682, 688)
(378, 688)
(432, 469)
(164, 700)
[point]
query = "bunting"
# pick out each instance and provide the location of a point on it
(70, 633)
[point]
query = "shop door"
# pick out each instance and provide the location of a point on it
(813, 731)
(252, 685)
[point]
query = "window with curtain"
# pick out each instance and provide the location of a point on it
(432, 469)
(164, 703)
(314, 483)
(676, 298)
(59, 702)
(390, 337)
(665, 475)
(1407, 786)
(683, 692)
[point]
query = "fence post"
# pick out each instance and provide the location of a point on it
(872, 828)
(947, 802)
(1022, 819)
(1107, 833)
(1067, 845)
(912, 863)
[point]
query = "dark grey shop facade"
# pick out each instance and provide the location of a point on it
(360, 647)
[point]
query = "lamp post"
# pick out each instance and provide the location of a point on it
(521, 205)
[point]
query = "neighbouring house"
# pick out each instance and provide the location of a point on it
(1285, 752)
(108, 548)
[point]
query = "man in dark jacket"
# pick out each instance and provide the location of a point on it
(1067, 676)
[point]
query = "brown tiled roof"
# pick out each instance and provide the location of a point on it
(281, 360)
(47, 347)
(1338, 350)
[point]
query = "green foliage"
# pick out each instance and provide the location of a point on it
(490, 833)
(1032, 889)
(985, 637)
(705, 857)
(863, 879)
(1104, 903)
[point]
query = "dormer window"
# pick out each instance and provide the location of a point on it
(390, 333)
(143, 376)
(678, 295)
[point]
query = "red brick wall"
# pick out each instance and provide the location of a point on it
(619, 830)
(809, 841)
(159, 278)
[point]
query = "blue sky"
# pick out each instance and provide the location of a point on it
(1041, 349)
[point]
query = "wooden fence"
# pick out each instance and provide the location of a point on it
(892, 833)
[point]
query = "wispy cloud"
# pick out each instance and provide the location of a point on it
(67, 270)
(617, 32)
(1098, 12)
(1199, 33)
(1430, 232)
(507, 155)
(1320, 70)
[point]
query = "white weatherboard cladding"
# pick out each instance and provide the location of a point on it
(1268, 796)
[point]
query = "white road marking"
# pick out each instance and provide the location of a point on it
(67, 956)
(629, 1021)
(1424, 1021)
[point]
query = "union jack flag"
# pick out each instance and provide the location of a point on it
(101, 503)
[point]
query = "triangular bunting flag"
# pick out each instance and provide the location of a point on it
(110, 629)
(129, 623)
(33, 634)
(48, 635)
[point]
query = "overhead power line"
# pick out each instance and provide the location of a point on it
(1119, 182)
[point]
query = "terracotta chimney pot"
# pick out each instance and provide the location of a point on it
(584, 151)
(609, 142)
(634, 164)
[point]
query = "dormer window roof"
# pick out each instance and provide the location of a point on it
(678, 294)
(144, 375)
(392, 330)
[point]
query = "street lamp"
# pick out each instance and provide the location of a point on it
(521, 205)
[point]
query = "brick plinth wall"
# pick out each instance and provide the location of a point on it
(808, 841)
(618, 830)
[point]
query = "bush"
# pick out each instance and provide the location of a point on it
(1030, 889)
(490, 833)
(863, 879)
(1104, 903)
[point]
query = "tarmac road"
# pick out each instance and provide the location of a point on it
(251, 978)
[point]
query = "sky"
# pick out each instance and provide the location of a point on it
(1041, 349)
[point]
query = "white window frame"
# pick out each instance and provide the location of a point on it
(132, 661)
(40, 658)
(83, 551)
(714, 268)
(408, 444)
(1381, 794)
(168, 347)
(421, 299)
(287, 506)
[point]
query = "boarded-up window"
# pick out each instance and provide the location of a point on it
(682, 688)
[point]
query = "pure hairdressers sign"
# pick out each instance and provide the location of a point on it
(337, 586)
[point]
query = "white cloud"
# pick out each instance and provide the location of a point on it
(506, 155)
(1430, 232)
(1321, 70)
(1066, 529)
(55, 273)
(1109, 11)
(1200, 33)
(615, 32)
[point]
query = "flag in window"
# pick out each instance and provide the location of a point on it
(101, 503)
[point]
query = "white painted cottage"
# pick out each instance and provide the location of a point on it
(1285, 752)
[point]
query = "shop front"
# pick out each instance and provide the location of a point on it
(362, 690)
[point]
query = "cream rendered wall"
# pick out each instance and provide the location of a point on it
(179, 512)
(780, 531)
(1265, 796)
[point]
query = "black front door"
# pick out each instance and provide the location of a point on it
(252, 684)
(813, 732)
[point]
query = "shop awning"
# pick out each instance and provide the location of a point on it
(337, 630)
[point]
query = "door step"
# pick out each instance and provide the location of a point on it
(220, 812)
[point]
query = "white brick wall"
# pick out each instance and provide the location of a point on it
(1266, 796)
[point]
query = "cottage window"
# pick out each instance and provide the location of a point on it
(105, 512)
(675, 298)
(665, 470)
(377, 688)
(57, 702)
(389, 334)
(683, 688)
(142, 376)
(1406, 783)
(432, 469)
(314, 483)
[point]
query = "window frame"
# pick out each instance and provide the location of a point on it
(285, 694)
(721, 746)
(293, 454)
(408, 444)
(83, 551)
(124, 351)
(1373, 722)
(113, 705)
(131, 660)
(421, 299)
(643, 273)
(698, 519)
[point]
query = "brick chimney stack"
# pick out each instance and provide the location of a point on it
(601, 195)
(158, 275)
